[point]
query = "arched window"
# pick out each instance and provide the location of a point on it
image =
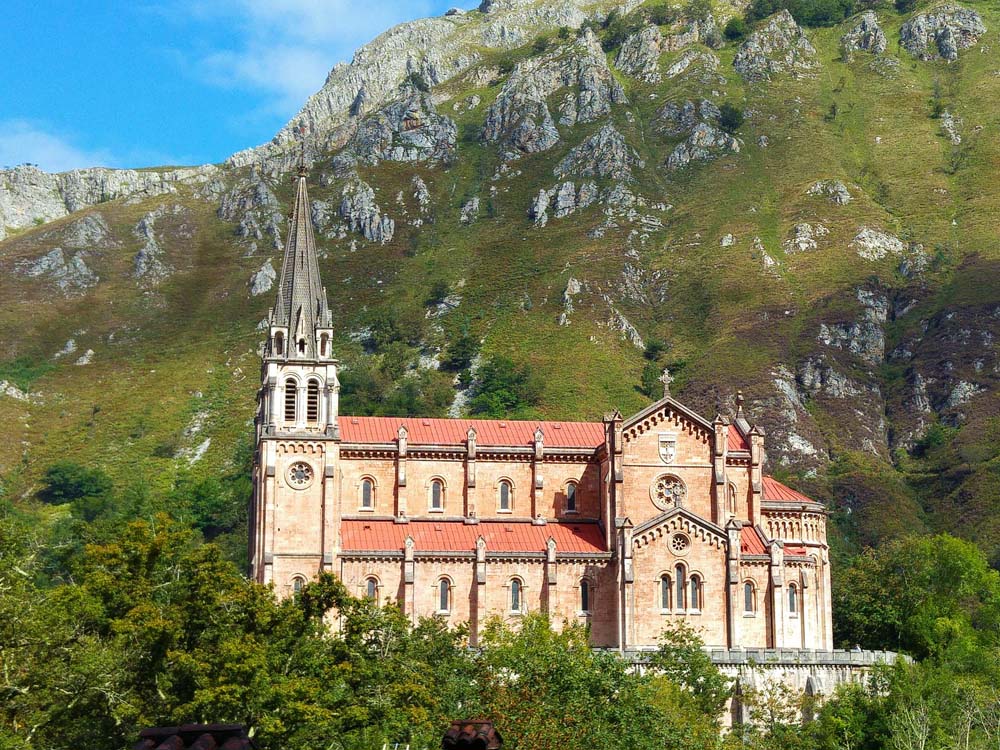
(732, 499)
(680, 586)
(694, 600)
(367, 494)
(324, 341)
(793, 598)
(302, 346)
(585, 595)
(749, 605)
(437, 494)
(371, 587)
(312, 401)
(665, 591)
(571, 497)
(506, 495)
(297, 583)
(291, 391)
(444, 595)
(515, 595)
(279, 344)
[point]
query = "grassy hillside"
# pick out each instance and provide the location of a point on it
(169, 390)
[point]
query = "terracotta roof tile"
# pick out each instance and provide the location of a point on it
(796, 551)
(735, 441)
(489, 432)
(750, 542)
(359, 535)
(776, 492)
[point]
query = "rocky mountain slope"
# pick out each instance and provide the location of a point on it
(579, 198)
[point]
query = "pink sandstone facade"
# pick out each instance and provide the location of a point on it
(626, 525)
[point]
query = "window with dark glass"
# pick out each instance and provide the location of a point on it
(291, 391)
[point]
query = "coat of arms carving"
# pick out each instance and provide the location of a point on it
(668, 448)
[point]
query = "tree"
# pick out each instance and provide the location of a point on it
(683, 660)
(922, 595)
(730, 117)
(505, 388)
(735, 29)
(550, 690)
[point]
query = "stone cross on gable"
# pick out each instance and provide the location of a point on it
(666, 379)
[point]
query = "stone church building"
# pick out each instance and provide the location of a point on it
(627, 524)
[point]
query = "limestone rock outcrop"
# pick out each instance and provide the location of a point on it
(864, 36)
(779, 47)
(70, 273)
(363, 215)
(706, 142)
(639, 55)
(833, 190)
(604, 154)
(408, 130)
(678, 118)
(941, 32)
(520, 119)
(29, 196)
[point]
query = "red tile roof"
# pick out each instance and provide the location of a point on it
(750, 542)
(489, 432)
(359, 535)
(775, 491)
(735, 441)
(796, 551)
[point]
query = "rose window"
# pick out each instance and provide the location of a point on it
(668, 491)
(679, 543)
(300, 475)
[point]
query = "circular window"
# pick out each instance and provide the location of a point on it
(680, 543)
(668, 491)
(300, 475)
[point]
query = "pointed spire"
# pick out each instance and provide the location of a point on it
(301, 307)
(741, 421)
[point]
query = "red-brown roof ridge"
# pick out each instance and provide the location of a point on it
(489, 432)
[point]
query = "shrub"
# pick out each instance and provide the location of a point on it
(439, 290)
(540, 44)
(418, 82)
(736, 29)
(662, 15)
(505, 388)
(805, 12)
(460, 353)
(905, 6)
(66, 481)
(698, 10)
(730, 117)
(563, 32)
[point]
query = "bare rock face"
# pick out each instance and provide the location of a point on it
(865, 336)
(865, 36)
(706, 142)
(604, 154)
(149, 264)
(262, 280)
(520, 118)
(362, 214)
(941, 32)
(255, 207)
(409, 130)
(29, 195)
(639, 56)
(692, 57)
(804, 237)
(833, 190)
(678, 118)
(779, 47)
(875, 244)
(70, 274)
(470, 210)
(90, 231)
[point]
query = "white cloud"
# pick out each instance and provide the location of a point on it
(25, 141)
(285, 48)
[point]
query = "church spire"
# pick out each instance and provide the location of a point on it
(301, 309)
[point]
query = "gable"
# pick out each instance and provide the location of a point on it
(662, 409)
(667, 433)
(678, 519)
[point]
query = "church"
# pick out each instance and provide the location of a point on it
(625, 525)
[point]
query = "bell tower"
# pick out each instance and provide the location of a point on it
(292, 528)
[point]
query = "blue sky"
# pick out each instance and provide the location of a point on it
(131, 84)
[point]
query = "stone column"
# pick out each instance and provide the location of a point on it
(777, 552)
(409, 574)
(720, 446)
(627, 581)
(401, 443)
(332, 403)
(274, 396)
(471, 511)
(479, 605)
(549, 600)
(734, 611)
(538, 481)
(300, 407)
(756, 436)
